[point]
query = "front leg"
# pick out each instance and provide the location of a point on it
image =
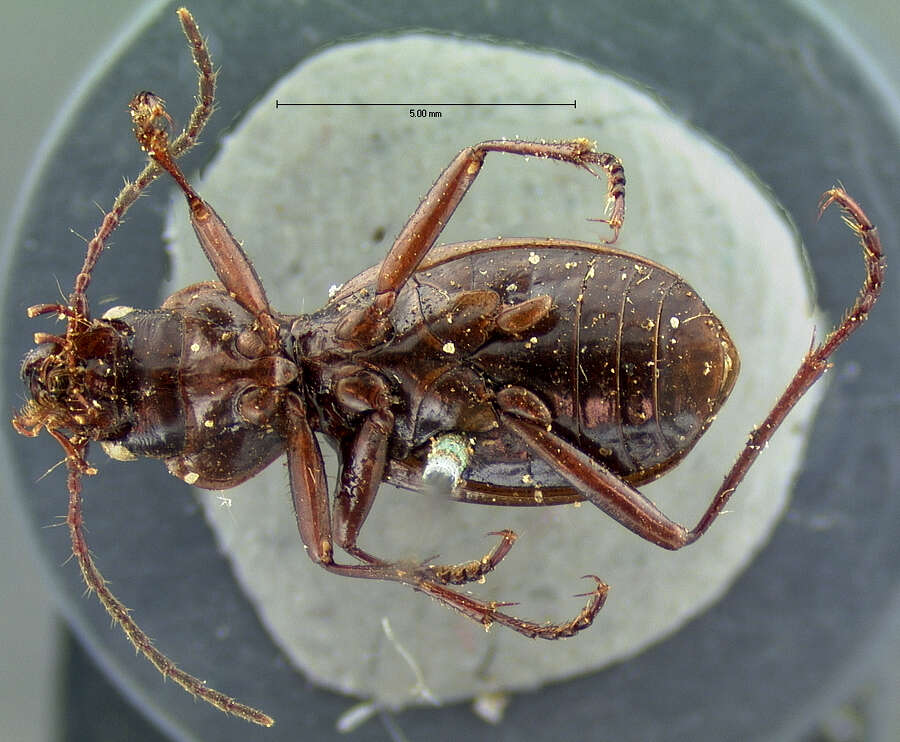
(224, 252)
(367, 327)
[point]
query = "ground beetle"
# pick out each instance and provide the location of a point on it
(513, 371)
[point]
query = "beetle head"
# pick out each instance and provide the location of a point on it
(75, 382)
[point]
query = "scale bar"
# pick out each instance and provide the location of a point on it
(573, 104)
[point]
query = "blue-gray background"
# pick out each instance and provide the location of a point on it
(46, 48)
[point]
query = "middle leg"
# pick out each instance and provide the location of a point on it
(366, 327)
(310, 497)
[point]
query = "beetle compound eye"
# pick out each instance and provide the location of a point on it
(35, 359)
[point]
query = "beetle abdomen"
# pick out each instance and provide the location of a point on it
(640, 332)
(610, 358)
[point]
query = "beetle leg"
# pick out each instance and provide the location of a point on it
(612, 495)
(626, 504)
(360, 479)
(360, 476)
(816, 362)
(310, 496)
(529, 418)
(224, 252)
(309, 488)
(486, 613)
(363, 471)
(368, 326)
(475, 569)
(364, 458)
(206, 81)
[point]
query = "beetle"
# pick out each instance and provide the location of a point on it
(515, 371)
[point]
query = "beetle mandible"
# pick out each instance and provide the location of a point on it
(524, 371)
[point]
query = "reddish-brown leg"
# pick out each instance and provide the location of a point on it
(368, 326)
(360, 478)
(364, 460)
(129, 194)
(310, 495)
(626, 504)
(224, 252)
(816, 361)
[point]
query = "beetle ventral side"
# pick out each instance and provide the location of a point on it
(606, 341)
(571, 371)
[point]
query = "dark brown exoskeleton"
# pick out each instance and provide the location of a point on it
(524, 371)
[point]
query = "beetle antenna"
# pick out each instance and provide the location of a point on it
(96, 583)
(203, 109)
